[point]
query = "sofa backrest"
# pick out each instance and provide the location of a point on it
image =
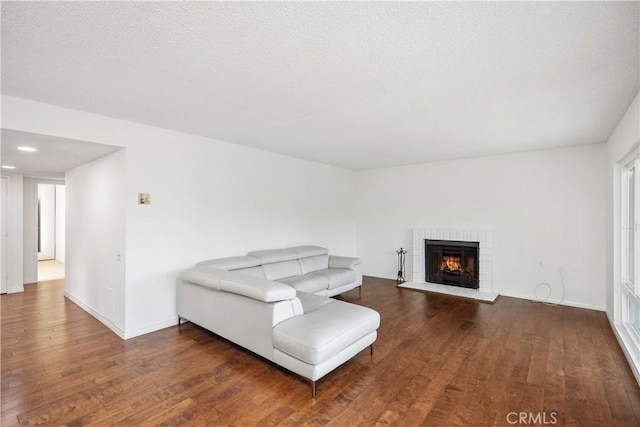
(314, 263)
(233, 282)
(270, 256)
(231, 263)
(282, 269)
(274, 264)
(308, 251)
(253, 272)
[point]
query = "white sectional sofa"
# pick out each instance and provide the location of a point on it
(306, 333)
(305, 268)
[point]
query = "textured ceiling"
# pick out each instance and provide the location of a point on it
(354, 84)
(54, 156)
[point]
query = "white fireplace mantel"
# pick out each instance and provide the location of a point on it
(485, 251)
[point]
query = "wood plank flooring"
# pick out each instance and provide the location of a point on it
(438, 361)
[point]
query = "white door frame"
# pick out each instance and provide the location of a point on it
(4, 271)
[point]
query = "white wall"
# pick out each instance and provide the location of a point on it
(47, 202)
(544, 207)
(211, 199)
(94, 276)
(30, 249)
(60, 223)
(15, 233)
(208, 199)
(5, 226)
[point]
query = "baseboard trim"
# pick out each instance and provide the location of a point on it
(124, 334)
(151, 328)
(108, 323)
(553, 301)
(381, 277)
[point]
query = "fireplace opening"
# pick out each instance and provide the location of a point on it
(452, 263)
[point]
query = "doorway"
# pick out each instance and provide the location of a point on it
(51, 231)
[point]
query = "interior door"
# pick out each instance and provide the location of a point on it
(4, 272)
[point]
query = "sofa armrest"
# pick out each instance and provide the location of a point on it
(344, 262)
(229, 281)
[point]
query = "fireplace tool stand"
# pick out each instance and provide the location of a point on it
(401, 258)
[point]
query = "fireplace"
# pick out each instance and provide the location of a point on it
(451, 262)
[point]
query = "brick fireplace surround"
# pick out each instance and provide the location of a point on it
(485, 252)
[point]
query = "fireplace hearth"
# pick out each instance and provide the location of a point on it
(454, 263)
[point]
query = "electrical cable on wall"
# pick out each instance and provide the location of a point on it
(545, 299)
(401, 260)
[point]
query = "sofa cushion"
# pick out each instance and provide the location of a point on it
(280, 270)
(309, 283)
(275, 255)
(316, 336)
(231, 263)
(338, 276)
(314, 263)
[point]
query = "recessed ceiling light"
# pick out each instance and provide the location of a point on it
(29, 149)
(8, 167)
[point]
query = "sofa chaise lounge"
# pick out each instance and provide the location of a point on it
(307, 333)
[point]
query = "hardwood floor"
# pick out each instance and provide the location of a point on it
(438, 361)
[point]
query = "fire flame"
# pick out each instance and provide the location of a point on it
(451, 263)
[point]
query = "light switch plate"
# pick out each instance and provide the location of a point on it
(144, 199)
